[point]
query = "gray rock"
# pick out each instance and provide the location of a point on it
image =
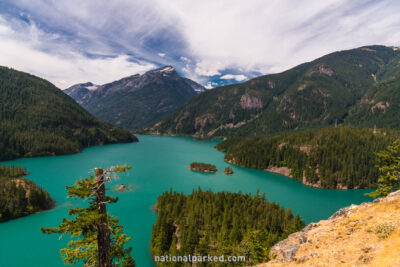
(342, 212)
(315, 255)
(289, 253)
(309, 227)
(302, 238)
(303, 259)
(393, 194)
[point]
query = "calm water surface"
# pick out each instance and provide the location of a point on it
(159, 163)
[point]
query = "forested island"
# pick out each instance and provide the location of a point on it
(38, 119)
(20, 196)
(336, 158)
(224, 223)
(203, 167)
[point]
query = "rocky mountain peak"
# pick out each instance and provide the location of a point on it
(166, 69)
(137, 100)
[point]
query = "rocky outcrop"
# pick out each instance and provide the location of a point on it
(250, 102)
(358, 235)
(380, 106)
(280, 170)
(271, 85)
(325, 70)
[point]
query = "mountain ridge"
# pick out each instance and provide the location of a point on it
(138, 100)
(353, 87)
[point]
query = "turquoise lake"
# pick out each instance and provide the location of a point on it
(159, 163)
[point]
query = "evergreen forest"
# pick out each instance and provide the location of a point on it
(20, 196)
(224, 223)
(343, 157)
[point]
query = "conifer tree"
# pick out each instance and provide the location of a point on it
(98, 239)
(389, 168)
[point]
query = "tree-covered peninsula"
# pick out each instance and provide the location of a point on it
(38, 119)
(342, 158)
(20, 196)
(224, 223)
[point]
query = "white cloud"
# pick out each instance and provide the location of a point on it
(161, 54)
(271, 36)
(239, 77)
(210, 85)
(205, 37)
(210, 67)
(19, 50)
(182, 58)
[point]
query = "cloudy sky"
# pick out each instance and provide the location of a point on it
(213, 42)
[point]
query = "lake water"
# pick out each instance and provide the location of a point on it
(159, 163)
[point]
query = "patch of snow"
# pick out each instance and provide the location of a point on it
(93, 87)
(167, 69)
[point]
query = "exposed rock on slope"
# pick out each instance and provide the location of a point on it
(364, 235)
(138, 100)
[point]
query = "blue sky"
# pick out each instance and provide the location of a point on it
(213, 42)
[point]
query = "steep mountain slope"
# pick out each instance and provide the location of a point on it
(336, 158)
(364, 235)
(359, 87)
(139, 100)
(38, 119)
(79, 91)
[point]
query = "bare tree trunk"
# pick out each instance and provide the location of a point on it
(103, 233)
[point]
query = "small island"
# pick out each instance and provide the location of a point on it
(123, 187)
(203, 167)
(228, 170)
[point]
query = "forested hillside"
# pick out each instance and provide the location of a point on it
(38, 119)
(20, 196)
(207, 223)
(354, 87)
(342, 157)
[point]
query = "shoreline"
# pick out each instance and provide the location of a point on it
(53, 206)
(285, 171)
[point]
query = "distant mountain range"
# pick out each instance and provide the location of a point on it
(38, 119)
(354, 87)
(136, 101)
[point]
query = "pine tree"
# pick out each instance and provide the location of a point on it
(389, 168)
(99, 239)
